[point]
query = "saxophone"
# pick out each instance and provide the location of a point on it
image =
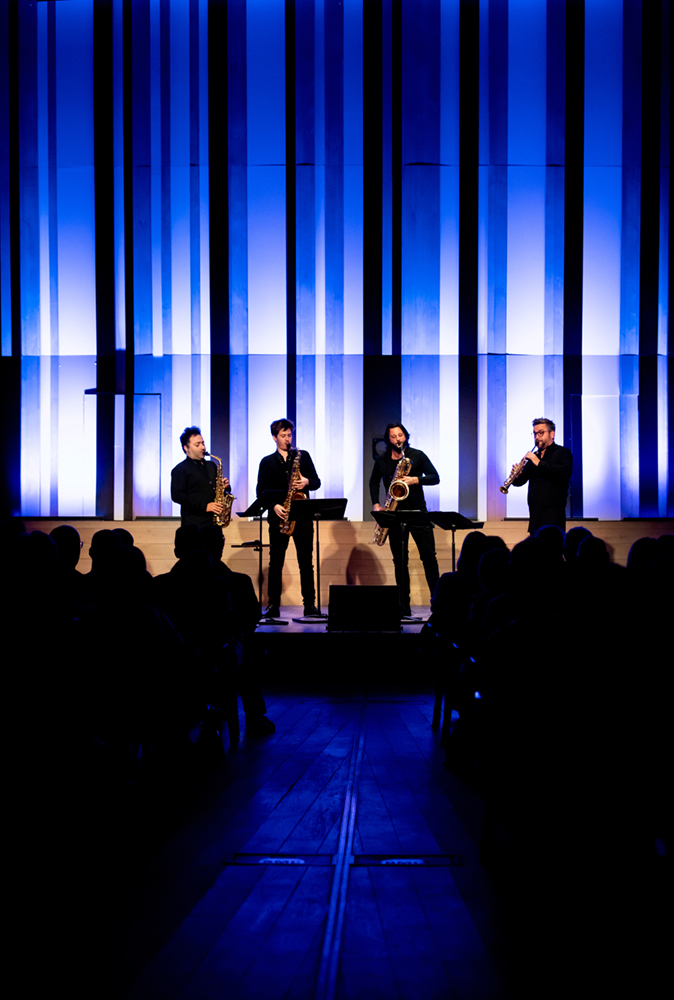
(294, 493)
(397, 491)
(226, 499)
(517, 471)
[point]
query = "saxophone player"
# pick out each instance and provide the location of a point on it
(421, 473)
(193, 482)
(275, 473)
(547, 471)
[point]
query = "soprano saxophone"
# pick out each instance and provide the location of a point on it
(287, 527)
(517, 471)
(397, 491)
(226, 499)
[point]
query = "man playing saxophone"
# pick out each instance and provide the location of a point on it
(547, 471)
(193, 482)
(279, 471)
(421, 473)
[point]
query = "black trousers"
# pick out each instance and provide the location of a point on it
(425, 542)
(303, 536)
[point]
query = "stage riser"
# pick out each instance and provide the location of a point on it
(346, 553)
(365, 657)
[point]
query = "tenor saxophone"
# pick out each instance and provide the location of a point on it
(397, 491)
(287, 527)
(226, 499)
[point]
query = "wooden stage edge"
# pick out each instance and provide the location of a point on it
(347, 557)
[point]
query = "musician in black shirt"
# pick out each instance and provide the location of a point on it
(548, 471)
(274, 474)
(423, 473)
(193, 482)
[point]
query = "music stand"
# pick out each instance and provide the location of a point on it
(406, 519)
(328, 509)
(257, 509)
(451, 520)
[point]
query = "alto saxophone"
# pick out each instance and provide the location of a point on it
(226, 499)
(397, 491)
(287, 527)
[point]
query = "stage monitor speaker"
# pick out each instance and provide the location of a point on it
(363, 609)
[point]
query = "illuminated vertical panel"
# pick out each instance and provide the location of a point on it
(147, 455)
(446, 456)
(305, 178)
(305, 243)
(266, 403)
(34, 122)
(555, 132)
(350, 443)
(629, 435)
(483, 258)
(420, 287)
(46, 184)
(310, 392)
(119, 193)
(526, 400)
(448, 321)
(265, 76)
(333, 55)
(602, 208)
(601, 476)
(526, 260)
(237, 182)
(526, 81)
(118, 453)
(266, 260)
(31, 455)
(143, 133)
(200, 235)
(420, 406)
(352, 155)
(353, 259)
(663, 430)
(179, 165)
(386, 181)
(526, 177)
(492, 444)
(483, 243)
(494, 143)
(75, 178)
(601, 260)
(265, 56)
(159, 180)
(76, 473)
(5, 260)
(238, 422)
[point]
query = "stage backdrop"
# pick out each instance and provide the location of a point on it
(348, 212)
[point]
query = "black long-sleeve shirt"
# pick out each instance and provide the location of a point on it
(548, 484)
(274, 473)
(385, 467)
(193, 487)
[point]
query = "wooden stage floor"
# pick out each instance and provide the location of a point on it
(237, 902)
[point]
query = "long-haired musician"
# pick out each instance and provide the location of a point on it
(422, 473)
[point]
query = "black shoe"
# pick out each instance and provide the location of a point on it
(260, 726)
(272, 611)
(311, 611)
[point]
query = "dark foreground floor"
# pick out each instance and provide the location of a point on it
(335, 858)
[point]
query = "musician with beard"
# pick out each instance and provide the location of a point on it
(422, 473)
(548, 471)
(274, 474)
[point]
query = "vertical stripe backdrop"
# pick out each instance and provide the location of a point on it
(219, 212)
